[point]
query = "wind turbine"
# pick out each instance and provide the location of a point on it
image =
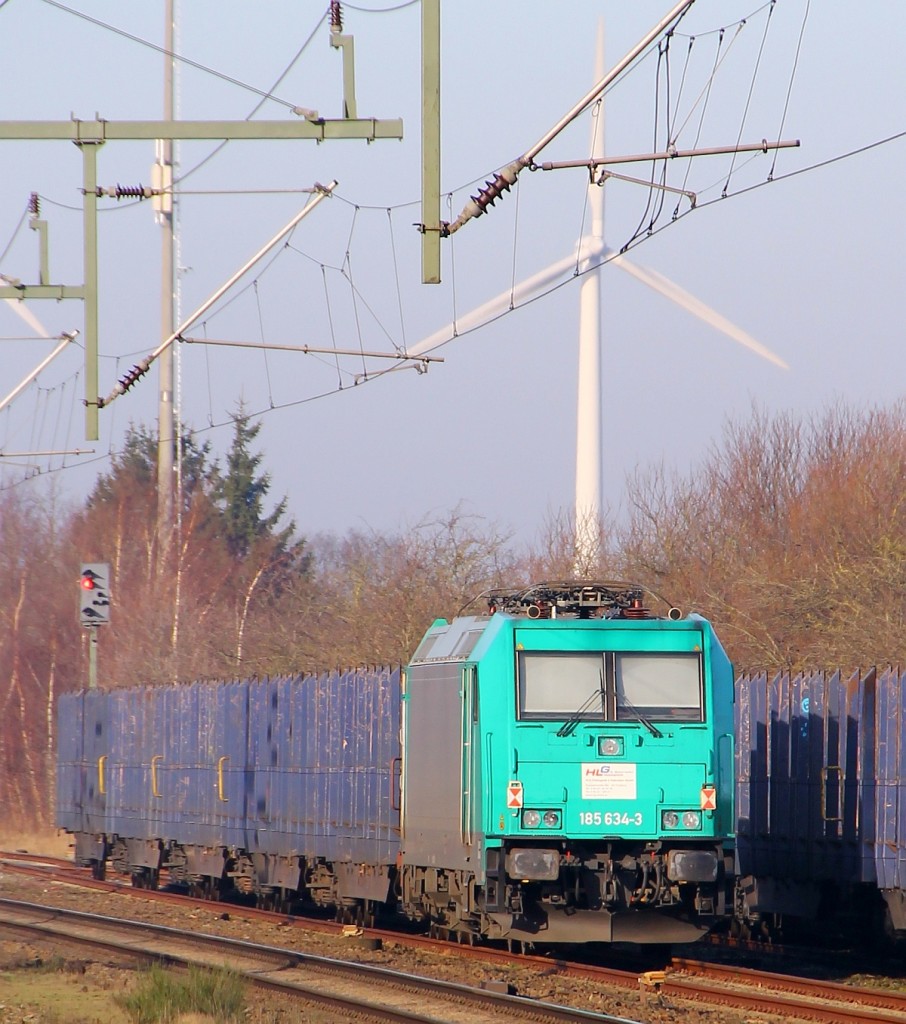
(588, 261)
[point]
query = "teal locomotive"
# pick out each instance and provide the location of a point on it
(582, 750)
(557, 768)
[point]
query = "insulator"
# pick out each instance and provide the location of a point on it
(336, 16)
(130, 191)
(636, 611)
(34, 204)
(134, 375)
(492, 191)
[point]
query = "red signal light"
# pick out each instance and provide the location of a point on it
(94, 604)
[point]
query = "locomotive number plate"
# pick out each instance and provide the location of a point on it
(610, 818)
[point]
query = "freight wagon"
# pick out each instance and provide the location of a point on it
(821, 799)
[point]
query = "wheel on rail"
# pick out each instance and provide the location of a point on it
(146, 878)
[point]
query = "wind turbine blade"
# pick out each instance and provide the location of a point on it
(512, 297)
(691, 304)
(33, 322)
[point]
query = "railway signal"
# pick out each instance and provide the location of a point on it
(94, 594)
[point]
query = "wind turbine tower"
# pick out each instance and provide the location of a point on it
(589, 420)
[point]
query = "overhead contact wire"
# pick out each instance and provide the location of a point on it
(346, 271)
(207, 363)
(399, 289)
(515, 245)
(56, 440)
(745, 113)
(14, 235)
(671, 138)
(260, 103)
(452, 267)
(646, 211)
(264, 94)
(597, 111)
(382, 10)
(169, 53)
(662, 195)
(705, 95)
(267, 369)
(789, 90)
(333, 336)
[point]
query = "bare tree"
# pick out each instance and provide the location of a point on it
(38, 648)
(790, 535)
(371, 595)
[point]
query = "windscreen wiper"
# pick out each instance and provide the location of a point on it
(650, 726)
(570, 724)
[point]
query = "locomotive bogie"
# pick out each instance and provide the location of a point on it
(447, 899)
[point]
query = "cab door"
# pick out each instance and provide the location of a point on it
(441, 797)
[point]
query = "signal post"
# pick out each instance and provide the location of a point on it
(94, 609)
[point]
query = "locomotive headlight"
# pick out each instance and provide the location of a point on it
(692, 819)
(671, 820)
(610, 746)
(535, 819)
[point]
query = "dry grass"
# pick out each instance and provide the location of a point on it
(164, 996)
(49, 841)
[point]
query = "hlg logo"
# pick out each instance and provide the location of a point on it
(596, 770)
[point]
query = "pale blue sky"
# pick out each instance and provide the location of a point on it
(811, 265)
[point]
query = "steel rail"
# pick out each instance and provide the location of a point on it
(813, 988)
(764, 1001)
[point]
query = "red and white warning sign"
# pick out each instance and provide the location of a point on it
(709, 798)
(514, 795)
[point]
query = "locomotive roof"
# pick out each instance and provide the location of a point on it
(456, 641)
(451, 641)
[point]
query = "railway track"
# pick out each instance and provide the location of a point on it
(56, 870)
(351, 988)
(686, 980)
(781, 994)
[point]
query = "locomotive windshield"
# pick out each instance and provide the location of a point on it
(558, 683)
(621, 687)
(665, 686)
